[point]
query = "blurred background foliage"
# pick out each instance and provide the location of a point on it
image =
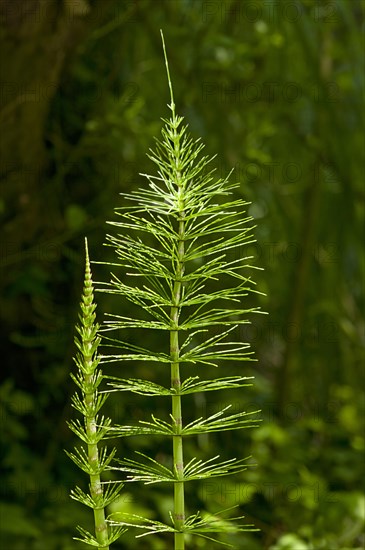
(274, 87)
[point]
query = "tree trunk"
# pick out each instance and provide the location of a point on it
(37, 38)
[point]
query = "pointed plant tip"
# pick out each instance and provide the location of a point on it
(172, 104)
(86, 249)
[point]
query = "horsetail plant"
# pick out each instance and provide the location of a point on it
(92, 460)
(177, 236)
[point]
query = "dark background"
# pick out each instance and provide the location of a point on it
(276, 89)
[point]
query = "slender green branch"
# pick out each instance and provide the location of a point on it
(179, 268)
(90, 342)
(92, 460)
(179, 510)
(190, 228)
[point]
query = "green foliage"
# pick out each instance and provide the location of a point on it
(92, 459)
(250, 81)
(182, 232)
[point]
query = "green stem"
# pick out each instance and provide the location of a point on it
(179, 507)
(178, 457)
(96, 489)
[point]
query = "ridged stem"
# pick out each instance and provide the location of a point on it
(179, 506)
(96, 489)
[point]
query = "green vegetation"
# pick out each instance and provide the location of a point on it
(275, 89)
(174, 243)
(90, 458)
